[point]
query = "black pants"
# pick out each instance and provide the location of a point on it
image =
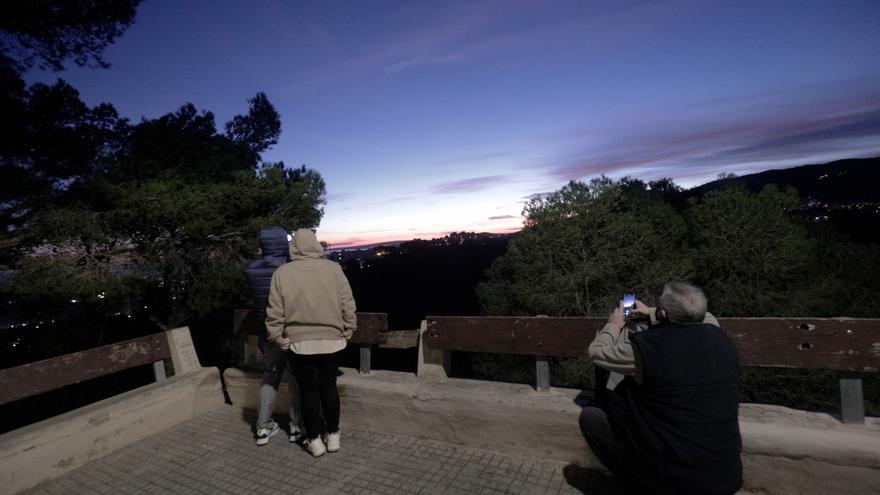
(316, 376)
(600, 437)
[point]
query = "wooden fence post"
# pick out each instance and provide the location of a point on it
(159, 370)
(852, 402)
(364, 368)
(542, 374)
(433, 363)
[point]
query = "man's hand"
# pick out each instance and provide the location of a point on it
(616, 317)
(642, 309)
(283, 343)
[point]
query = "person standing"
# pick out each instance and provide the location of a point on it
(311, 314)
(274, 250)
(669, 422)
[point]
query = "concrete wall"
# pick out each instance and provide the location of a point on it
(784, 450)
(57, 445)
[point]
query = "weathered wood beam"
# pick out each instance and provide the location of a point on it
(828, 343)
(50, 374)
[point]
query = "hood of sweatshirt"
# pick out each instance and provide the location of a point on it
(305, 245)
(273, 241)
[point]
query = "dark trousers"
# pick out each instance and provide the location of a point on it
(600, 437)
(316, 376)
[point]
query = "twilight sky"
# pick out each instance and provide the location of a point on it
(430, 117)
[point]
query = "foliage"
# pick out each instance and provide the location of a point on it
(45, 33)
(259, 129)
(809, 389)
(50, 140)
(48, 137)
(107, 213)
(583, 247)
(842, 279)
(750, 252)
(753, 253)
(180, 206)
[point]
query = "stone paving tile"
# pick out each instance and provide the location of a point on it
(215, 454)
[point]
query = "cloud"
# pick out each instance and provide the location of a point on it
(373, 231)
(537, 195)
(470, 185)
(485, 31)
(470, 159)
(468, 32)
(384, 202)
(502, 217)
(860, 125)
(781, 134)
(338, 196)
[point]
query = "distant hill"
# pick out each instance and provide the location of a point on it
(841, 181)
(367, 246)
(843, 193)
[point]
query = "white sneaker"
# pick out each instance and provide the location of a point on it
(315, 447)
(332, 441)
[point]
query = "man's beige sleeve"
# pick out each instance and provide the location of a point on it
(275, 309)
(611, 352)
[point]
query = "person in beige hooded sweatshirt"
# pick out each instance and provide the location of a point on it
(311, 313)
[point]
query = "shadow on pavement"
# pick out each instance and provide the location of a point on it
(591, 481)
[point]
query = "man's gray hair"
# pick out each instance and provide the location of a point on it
(683, 302)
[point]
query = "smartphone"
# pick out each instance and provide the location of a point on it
(629, 305)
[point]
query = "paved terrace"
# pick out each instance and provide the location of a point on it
(215, 454)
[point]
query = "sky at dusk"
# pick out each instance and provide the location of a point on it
(431, 117)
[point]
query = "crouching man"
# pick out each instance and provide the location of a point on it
(669, 422)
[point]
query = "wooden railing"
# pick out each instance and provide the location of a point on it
(38, 377)
(820, 343)
(846, 344)
(372, 330)
(823, 343)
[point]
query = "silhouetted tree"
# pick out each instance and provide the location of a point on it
(49, 138)
(583, 247)
(47, 33)
(50, 141)
(177, 211)
(259, 129)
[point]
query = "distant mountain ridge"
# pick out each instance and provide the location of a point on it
(849, 180)
(366, 246)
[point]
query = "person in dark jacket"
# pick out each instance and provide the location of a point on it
(669, 419)
(274, 245)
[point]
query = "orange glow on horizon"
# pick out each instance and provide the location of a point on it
(341, 241)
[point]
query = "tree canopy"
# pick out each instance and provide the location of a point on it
(176, 206)
(587, 244)
(95, 207)
(47, 33)
(583, 247)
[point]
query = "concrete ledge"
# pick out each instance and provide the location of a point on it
(52, 447)
(798, 452)
(784, 450)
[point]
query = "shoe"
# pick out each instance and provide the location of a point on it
(332, 441)
(295, 433)
(266, 431)
(315, 447)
